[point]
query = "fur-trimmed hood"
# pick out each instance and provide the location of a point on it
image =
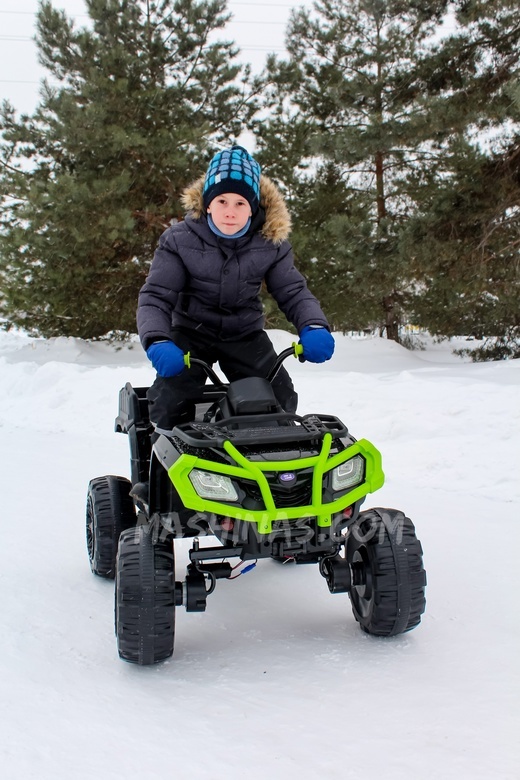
(277, 225)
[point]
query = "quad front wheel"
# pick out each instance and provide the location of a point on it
(145, 596)
(387, 574)
(109, 511)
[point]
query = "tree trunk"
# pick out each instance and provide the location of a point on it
(391, 318)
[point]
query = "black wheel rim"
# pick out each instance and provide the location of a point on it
(362, 591)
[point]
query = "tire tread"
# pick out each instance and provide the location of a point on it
(145, 597)
(398, 577)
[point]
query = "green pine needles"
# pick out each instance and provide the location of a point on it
(398, 141)
(135, 104)
(392, 127)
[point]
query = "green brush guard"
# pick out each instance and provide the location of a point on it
(245, 469)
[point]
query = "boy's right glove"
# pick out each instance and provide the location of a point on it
(317, 343)
(166, 358)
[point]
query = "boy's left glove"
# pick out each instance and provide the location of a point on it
(317, 343)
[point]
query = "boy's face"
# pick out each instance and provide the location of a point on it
(229, 212)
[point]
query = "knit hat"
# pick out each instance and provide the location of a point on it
(233, 170)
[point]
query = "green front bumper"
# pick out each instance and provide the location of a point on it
(245, 469)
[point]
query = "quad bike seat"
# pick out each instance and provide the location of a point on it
(251, 395)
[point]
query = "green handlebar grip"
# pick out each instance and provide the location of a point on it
(298, 349)
(187, 360)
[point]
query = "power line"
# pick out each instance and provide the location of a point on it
(242, 48)
(270, 5)
(245, 5)
(33, 13)
(231, 21)
(270, 49)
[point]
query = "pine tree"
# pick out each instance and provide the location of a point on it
(466, 244)
(349, 86)
(391, 118)
(465, 237)
(92, 178)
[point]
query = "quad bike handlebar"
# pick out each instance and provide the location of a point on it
(296, 350)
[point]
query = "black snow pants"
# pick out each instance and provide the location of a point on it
(170, 399)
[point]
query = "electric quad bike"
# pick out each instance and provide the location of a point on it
(265, 483)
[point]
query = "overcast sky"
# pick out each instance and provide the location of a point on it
(257, 28)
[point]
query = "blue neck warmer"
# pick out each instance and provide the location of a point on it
(218, 232)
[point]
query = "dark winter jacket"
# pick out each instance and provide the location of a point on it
(198, 280)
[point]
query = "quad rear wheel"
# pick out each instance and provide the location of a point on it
(388, 578)
(145, 596)
(110, 510)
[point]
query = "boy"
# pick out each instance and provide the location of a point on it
(202, 293)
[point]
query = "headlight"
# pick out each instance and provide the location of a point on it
(210, 485)
(348, 474)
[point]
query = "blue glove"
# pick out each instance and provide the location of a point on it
(317, 343)
(166, 358)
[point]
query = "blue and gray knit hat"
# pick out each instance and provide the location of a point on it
(233, 170)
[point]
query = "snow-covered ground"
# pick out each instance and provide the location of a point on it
(275, 680)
